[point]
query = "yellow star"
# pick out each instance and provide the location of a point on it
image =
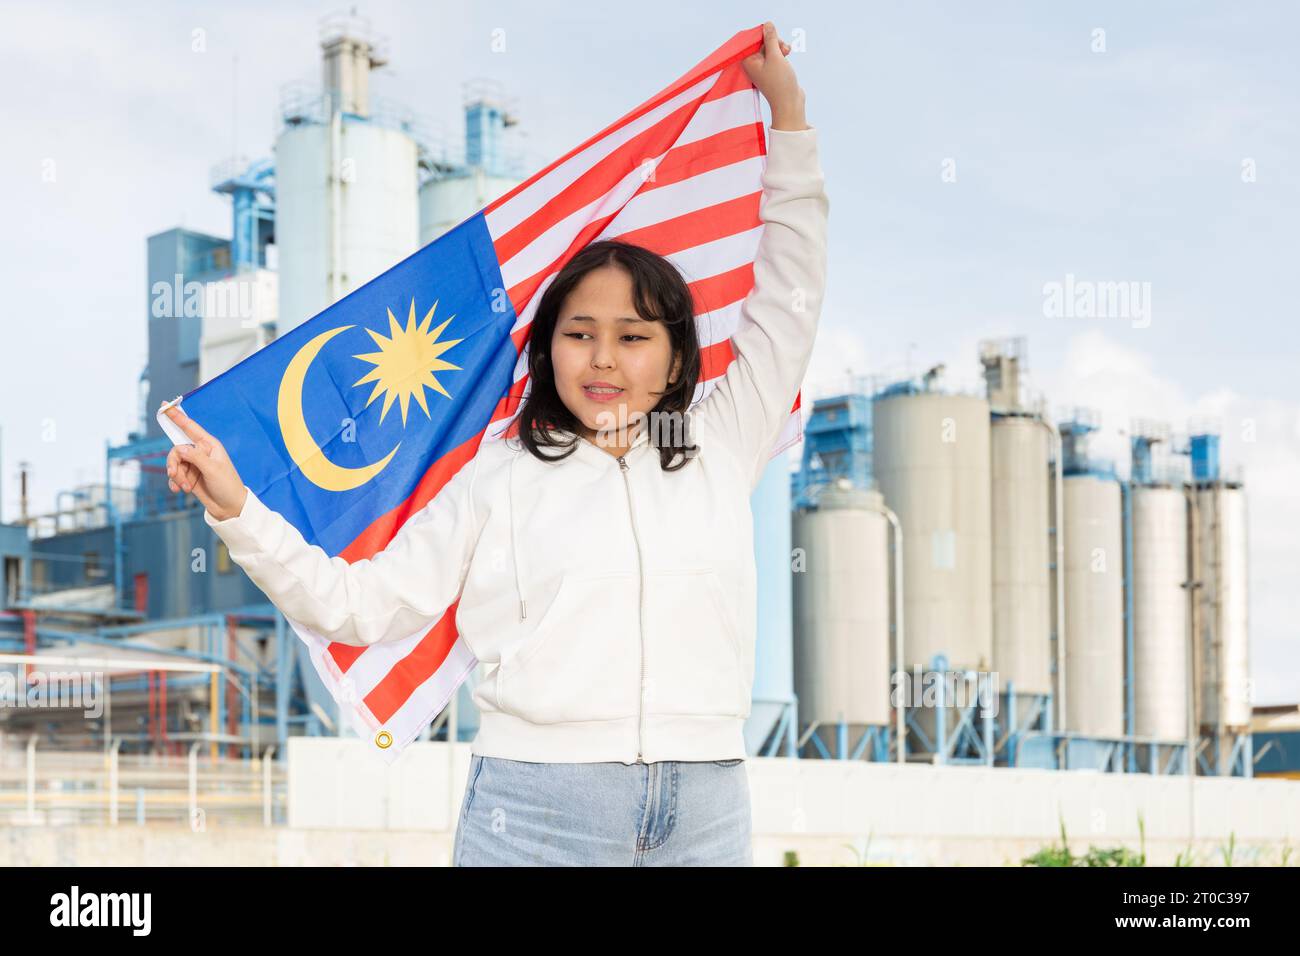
(406, 362)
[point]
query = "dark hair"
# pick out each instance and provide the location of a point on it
(660, 295)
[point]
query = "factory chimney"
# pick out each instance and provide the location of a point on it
(350, 53)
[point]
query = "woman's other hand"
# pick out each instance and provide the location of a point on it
(205, 470)
(769, 69)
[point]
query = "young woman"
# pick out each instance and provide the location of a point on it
(603, 561)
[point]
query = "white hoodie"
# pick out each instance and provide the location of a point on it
(615, 602)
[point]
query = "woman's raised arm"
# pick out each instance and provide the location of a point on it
(402, 590)
(773, 340)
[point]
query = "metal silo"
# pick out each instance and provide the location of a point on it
(1225, 699)
(449, 199)
(1021, 535)
(931, 463)
(1028, 607)
(842, 614)
(454, 191)
(1221, 613)
(1094, 606)
(346, 182)
(1160, 632)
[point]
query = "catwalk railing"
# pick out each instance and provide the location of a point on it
(44, 787)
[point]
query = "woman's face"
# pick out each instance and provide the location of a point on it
(600, 340)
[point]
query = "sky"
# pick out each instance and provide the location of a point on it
(975, 154)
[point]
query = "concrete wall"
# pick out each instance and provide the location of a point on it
(916, 814)
(346, 807)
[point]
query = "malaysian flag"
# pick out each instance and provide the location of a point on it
(679, 175)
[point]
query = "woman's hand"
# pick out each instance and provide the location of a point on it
(769, 69)
(205, 470)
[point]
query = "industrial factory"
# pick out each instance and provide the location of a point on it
(950, 582)
(970, 535)
(355, 185)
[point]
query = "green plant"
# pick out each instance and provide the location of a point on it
(1096, 856)
(1052, 855)
(791, 858)
(1230, 848)
(1115, 856)
(1185, 859)
(861, 858)
(1286, 852)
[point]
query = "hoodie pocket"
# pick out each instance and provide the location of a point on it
(583, 660)
(693, 654)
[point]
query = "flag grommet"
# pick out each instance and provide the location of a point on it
(383, 740)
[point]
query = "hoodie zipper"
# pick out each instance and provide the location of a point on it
(640, 716)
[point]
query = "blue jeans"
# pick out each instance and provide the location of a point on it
(670, 813)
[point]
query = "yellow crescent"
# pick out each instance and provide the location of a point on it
(297, 438)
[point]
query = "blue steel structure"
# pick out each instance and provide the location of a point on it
(252, 200)
(1276, 748)
(484, 146)
(837, 444)
(1205, 457)
(168, 570)
(15, 563)
(1075, 459)
(874, 744)
(972, 739)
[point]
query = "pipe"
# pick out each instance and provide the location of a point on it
(1216, 498)
(29, 640)
(284, 672)
(89, 637)
(193, 775)
(336, 199)
(1059, 535)
(113, 781)
(22, 492)
(1193, 616)
(255, 725)
(232, 696)
(31, 780)
(119, 549)
(121, 666)
(1193, 584)
(268, 818)
(899, 711)
(213, 689)
(108, 712)
(1130, 678)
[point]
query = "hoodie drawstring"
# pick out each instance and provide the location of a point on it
(514, 542)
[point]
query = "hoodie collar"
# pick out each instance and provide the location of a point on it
(640, 438)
